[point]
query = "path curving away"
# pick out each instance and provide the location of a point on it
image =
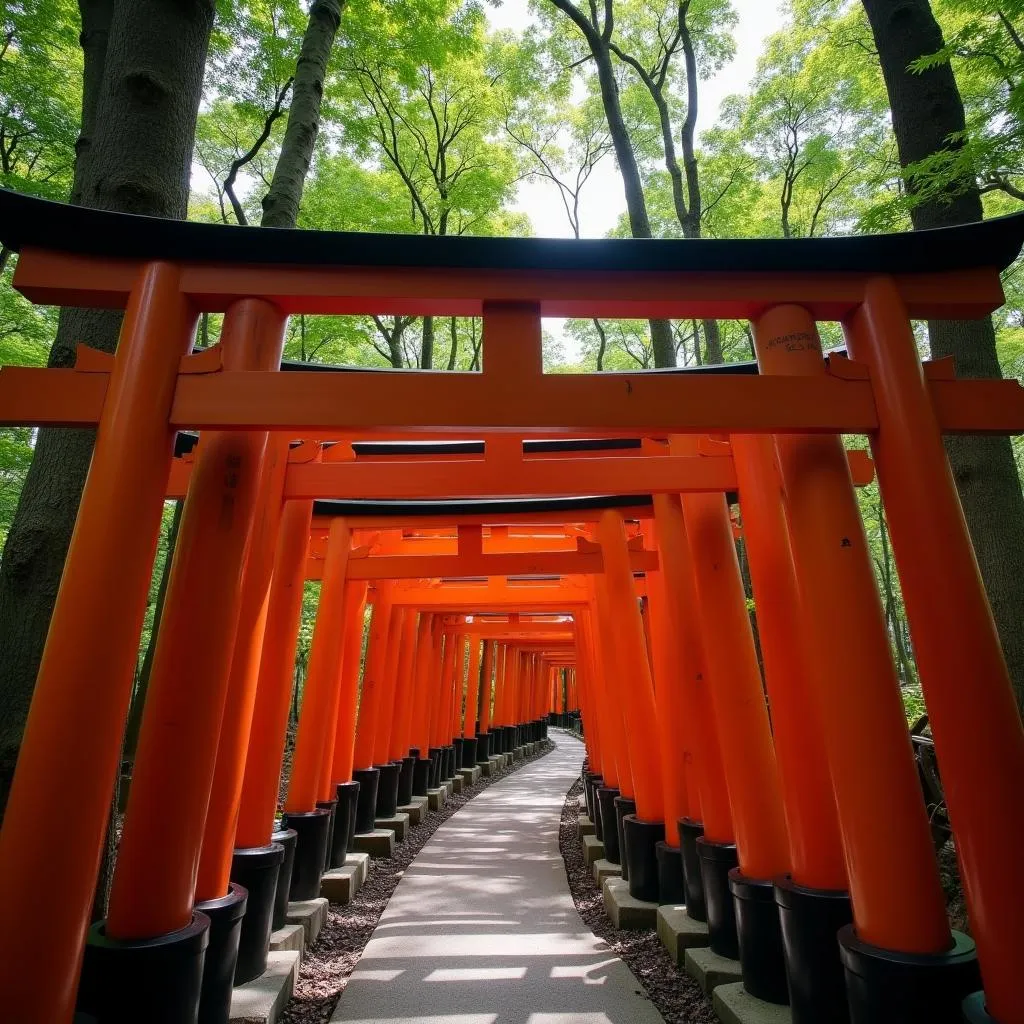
(482, 928)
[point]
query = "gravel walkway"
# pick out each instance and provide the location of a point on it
(676, 995)
(327, 965)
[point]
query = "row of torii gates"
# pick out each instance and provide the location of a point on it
(534, 546)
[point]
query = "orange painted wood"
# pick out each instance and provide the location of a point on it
(894, 882)
(979, 740)
(163, 823)
(66, 279)
(84, 684)
(348, 697)
(320, 691)
(232, 748)
(812, 825)
(261, 781)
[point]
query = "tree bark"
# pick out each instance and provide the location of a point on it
(636, 205)
(281, 203)
(139, 153)
(427, 344)
(927, 111)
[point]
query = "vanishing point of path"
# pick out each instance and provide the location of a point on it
(482, 928)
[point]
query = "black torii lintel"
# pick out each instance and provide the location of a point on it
(26, 221)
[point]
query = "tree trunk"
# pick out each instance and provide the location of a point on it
(96, 17)
(453, 352)
(281, 203)
(427, 344)
(926, 112)
(636, 205)
(139, 161)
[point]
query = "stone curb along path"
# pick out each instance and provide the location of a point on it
(482, 928)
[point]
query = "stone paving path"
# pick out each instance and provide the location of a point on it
(482, 928)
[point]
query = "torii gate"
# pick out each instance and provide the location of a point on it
(783, 425)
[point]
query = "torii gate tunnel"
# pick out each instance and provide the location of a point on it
(532, 545)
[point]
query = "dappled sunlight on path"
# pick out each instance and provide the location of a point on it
(482, 928)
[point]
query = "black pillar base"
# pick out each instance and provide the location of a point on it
(387, 791)
(257, 869)
(458, 755)
(435, 767)
(640, 840)
(421, 776)
(483, 747)
(886, 987)
(670, 875)
(623, 805)
(344, 822)
(156, 980)
(693, 883)
(310, 852)
(331, 806)
(716, 861)
(287, 838)
(592, 781)
(586, 780)
(809, 920)
(762, 963)
(366, 806)
(225, 916)
(606, 796)
(405, 781)
(468, 751)
(451, 762)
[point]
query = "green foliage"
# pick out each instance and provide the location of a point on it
(431, 121)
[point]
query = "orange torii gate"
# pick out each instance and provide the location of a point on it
(247, 522)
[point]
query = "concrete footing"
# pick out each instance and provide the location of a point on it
(457, 782)
(593, 850)
(470, 776)
(584, 826)
(416, 809)
(339, 885)
(710, 970)
(399, 824)
(378, 843)
(311, 914)
(604, 869)
(437, 798)
(289, 937)
(734, 1005)
(679, 932)
(626, 911)
(262, 1000)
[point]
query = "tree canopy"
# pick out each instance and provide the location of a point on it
(421, 118)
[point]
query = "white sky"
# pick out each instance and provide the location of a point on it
(602, 200)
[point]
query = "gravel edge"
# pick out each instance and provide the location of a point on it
(326, 966)
(676, 996)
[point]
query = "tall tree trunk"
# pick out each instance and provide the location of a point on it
(96, 16)
(139, 159)
(636, 205)
(453, 352)
(427, 344)
(281, 203)
(927, 111)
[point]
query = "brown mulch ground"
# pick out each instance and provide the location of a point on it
(676, 995)
(329, 962)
